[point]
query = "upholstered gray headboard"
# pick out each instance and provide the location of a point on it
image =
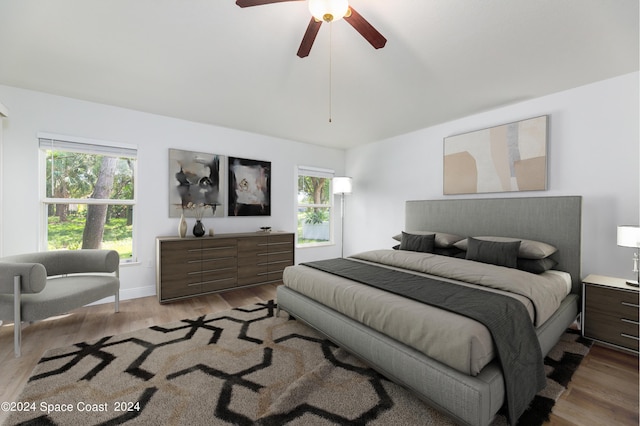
(553, 220)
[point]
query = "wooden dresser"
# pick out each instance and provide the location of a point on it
(188, 267)
(610, 312)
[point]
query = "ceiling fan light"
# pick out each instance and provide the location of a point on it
(328, 10)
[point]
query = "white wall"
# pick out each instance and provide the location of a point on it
(3, 114)
(593, 152)
(33, 112)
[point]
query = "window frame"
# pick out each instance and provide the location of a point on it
(322, 173)
(85, 146)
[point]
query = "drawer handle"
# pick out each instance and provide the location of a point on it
(217, 270)
(628, 336)
(216, 259)
(210, 281)
(211, 260)
(628, 321)
(211, 248)
(218, 248)
(210, 270)
(274, 262)
(271, 253)
(217, 281)
(633, 305)
(270, 272)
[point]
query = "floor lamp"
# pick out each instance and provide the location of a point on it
(342, 185)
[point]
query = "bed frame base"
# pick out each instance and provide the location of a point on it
(468, 400)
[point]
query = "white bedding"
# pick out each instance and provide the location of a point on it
(460, 342)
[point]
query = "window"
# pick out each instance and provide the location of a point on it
(315, 207)
(88, 195)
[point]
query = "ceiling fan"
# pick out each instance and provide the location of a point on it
(328, 11)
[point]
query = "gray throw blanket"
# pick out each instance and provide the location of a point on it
(506, 318)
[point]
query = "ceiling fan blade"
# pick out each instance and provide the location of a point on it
(309, 38)
(365, 29)
(249, 3)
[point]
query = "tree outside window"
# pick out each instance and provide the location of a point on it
(314, 209)
(89, 197)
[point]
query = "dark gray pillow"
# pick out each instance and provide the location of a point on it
(536, 266)
(496, 253)
(421, 243)
(529, 249)
(451, 252)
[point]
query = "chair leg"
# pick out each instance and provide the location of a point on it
(17, 323)
(17, 339)
(117, 301)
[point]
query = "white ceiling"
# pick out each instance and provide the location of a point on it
(210, 61)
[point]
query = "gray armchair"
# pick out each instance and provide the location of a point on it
(36, 286)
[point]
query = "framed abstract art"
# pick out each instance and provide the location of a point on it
(249, 187)
(196, 184)
(510, 157)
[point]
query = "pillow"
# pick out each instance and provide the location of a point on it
(494, 252)
(536, 266)
(451, 251)
(421, 243)
(443, 240)
(528, 249)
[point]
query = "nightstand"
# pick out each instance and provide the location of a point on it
(610, 312)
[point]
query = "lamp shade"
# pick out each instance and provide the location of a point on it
(342, 185)
(629, 236)
(328, 10)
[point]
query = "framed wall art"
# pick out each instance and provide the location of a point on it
(196, 184)
(510, 157)
(249, 187)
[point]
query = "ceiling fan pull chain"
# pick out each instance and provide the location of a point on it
(330, 85)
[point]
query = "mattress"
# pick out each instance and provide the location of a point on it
(459, 342)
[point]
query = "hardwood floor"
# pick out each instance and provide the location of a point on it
(604, 390)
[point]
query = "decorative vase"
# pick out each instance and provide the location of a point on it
(198, 229)
(182, 226)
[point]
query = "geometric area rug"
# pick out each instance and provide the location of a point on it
(239, 367)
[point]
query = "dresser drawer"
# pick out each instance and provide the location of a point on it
(248, 247)
(179, 253)
(252, 274)
(191, 266)
(282, 240)
(276, 276)
(219, 280)
(611, 315)
(603, 300)
(212, 249)
(280, 256)
(180, 288)
(612, 330)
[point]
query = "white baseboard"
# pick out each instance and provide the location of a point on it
(129, 293)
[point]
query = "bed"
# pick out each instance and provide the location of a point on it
(471, 387)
